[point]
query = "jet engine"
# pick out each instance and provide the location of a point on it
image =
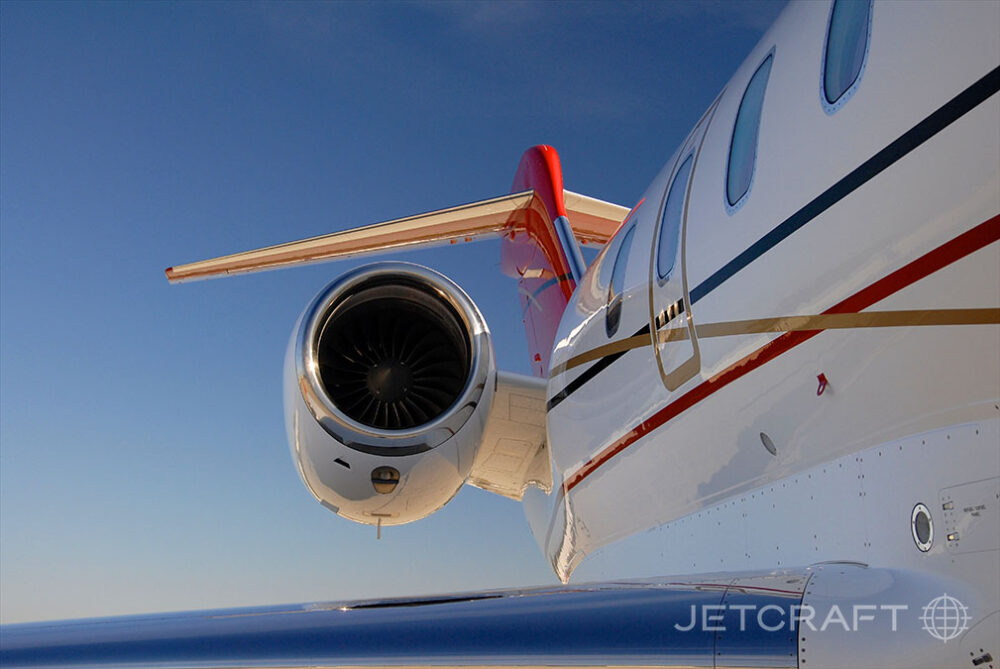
(389, 379)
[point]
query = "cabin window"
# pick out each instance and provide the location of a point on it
(847, 39)
(670, 222)
(617, 287)
(743, 148)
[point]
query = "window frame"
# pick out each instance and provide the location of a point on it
(733, 207)
(831, 108)
(688, 158)
(613, 305)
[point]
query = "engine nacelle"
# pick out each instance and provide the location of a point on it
(389, 379)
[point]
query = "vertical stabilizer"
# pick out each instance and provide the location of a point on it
(546, 264)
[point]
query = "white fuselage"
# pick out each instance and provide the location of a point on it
(865, 211)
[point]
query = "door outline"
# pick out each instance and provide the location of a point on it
(677, 374)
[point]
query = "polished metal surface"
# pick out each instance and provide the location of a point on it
(369, 439)
(570, 247)
(626, 624)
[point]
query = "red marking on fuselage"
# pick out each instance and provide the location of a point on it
(968, 242)
(823, 382)
(628, 216)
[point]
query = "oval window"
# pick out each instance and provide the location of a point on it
(847, 40)
(617, 287)
(743, 148)
(670, 222)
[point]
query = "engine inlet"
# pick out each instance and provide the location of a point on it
(393, 356)
(389, 380)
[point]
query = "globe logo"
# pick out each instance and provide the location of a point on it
(945, 618)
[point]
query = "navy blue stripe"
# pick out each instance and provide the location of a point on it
(930, 126)
(953, 110)
(590, 373)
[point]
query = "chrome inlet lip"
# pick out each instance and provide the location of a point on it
(375, 441)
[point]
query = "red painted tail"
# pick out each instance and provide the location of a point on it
(533, 254)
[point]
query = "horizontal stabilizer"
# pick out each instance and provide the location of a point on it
(487, 218)
(593, 221)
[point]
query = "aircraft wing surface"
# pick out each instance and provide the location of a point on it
(609, 624)
(832, 615)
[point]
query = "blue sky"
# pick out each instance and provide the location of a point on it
(143, 463)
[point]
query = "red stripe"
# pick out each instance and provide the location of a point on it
(968, 242)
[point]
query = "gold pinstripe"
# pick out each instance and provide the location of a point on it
(864, 319)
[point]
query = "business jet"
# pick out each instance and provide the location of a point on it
(762, 427)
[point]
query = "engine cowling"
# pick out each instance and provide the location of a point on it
(389, 379)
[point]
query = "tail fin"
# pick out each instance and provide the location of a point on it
(537, 252)
(539, 242)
